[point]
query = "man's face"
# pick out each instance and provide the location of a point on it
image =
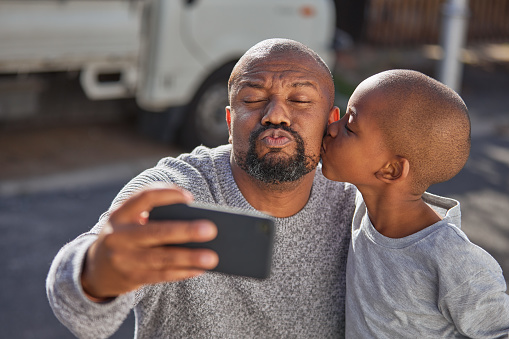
(353, 148)
(279, 112)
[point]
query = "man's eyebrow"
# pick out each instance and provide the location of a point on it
(261, 85)
(304, 84)
(250, 84)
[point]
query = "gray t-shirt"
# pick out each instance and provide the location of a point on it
(303, 298)
(432, 284)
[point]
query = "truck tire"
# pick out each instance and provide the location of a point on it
(205, 119)
(161, 126)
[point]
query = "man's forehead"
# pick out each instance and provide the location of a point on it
(287, 77)
(288, 72)
(281, 61)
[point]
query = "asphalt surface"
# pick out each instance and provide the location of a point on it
(55, 184)
(34, 227)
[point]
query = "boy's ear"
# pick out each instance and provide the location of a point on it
(394, 171)
(334, 115)
(229, 122)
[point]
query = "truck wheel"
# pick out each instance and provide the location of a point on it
(205, 121)
(161, 126)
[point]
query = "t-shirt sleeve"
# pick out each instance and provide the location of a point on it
(479, 308)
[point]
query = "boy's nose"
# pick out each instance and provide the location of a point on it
(276, 113)
(332, 129)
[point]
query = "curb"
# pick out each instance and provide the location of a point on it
(77, 179)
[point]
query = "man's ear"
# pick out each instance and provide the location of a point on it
(229, 123)
(334, 115)
(394, 171)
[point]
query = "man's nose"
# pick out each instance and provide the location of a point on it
(276, 113)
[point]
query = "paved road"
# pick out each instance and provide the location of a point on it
(33, 229)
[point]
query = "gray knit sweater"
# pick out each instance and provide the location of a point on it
(303, 298)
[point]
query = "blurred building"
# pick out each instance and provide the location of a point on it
(393, 23)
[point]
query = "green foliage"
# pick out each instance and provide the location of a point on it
(344, 90)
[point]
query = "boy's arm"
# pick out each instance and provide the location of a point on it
(479, 308)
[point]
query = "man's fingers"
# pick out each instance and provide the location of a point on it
(157, 264)
(173, 258)
(166, 232)
(145, 200)
(108, 272)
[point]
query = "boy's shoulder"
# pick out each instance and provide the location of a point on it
(458, 260)
(451, 242)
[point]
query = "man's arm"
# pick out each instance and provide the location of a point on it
(83, 317)
(91, 280)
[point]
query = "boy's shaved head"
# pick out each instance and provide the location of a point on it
(285, 49)
(423, 121)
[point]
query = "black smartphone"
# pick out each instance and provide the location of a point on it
(244, 240)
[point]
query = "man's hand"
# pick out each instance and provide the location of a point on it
(129, 252)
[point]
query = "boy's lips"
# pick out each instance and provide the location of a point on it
(323, 145)
(276, 138)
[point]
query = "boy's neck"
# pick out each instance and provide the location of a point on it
(397, 216)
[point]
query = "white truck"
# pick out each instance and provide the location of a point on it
(172, 56)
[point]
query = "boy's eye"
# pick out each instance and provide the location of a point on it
(348, 129)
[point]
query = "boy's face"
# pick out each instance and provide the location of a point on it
(353, 149)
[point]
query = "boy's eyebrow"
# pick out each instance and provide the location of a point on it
(353, 115)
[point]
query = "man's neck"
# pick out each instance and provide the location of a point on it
(279, 200)
(397, 215)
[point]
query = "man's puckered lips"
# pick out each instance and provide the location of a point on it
(276, 137)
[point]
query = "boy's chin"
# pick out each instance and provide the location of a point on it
(330, 174)
(326, 173)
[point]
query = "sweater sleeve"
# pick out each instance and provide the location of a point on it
(479, 308)
(83, 317)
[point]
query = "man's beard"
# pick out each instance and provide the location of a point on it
(276, 170)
